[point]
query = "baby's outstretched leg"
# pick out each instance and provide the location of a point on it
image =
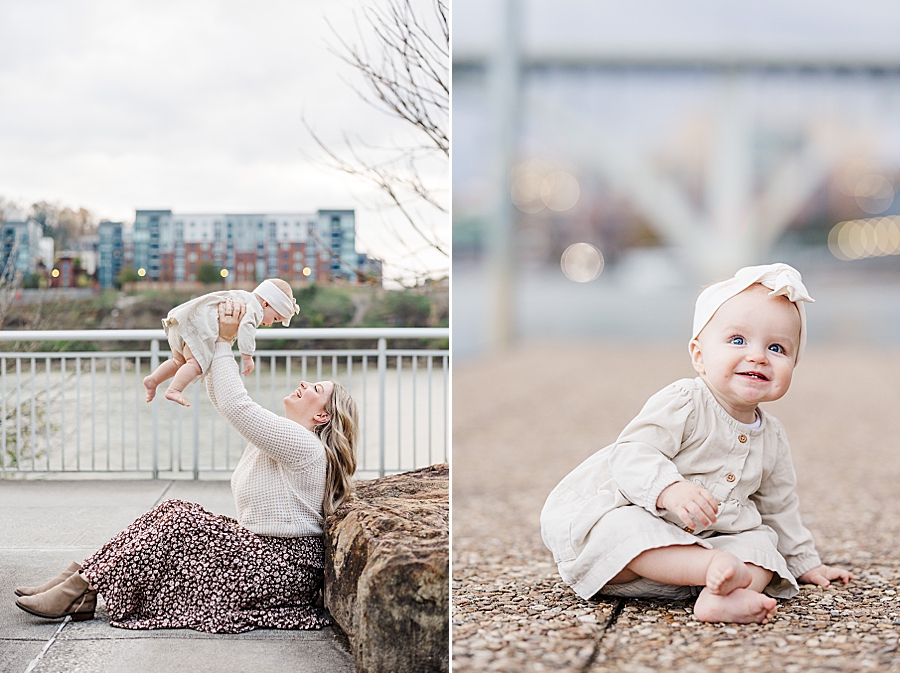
(741, 606)
(166, 370)
(725, 573)
(186, 373)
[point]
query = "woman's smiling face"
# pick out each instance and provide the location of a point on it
(308, 402)
(747, 351)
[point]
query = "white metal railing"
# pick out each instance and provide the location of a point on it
(84, 411)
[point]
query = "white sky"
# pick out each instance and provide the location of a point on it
(193, 105)
(835, 28)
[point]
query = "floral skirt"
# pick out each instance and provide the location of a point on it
(181, 566)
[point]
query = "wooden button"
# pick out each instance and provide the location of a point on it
(742, 438)
(730, 476)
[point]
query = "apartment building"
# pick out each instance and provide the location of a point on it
(20, 244)
(167, 246)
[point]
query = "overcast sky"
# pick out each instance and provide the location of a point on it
(835, 28)
(193, 105)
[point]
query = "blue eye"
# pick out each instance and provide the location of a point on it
(776, 348)
(736, 340)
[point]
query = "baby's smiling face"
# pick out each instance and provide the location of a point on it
(269, 316)
(746, 353)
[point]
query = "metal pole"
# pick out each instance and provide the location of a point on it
(504, 110)
(154, 363)
(382, 375)
(196, 434)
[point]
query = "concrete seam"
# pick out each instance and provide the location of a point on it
(614, 615)
(163, 494)
(34, 662)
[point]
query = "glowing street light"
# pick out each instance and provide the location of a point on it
(224, 273)
(306, 271)
(581, 262)
(142, 272)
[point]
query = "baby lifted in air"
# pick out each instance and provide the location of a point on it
(192, 329)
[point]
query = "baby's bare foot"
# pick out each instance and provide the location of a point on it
(149, 388)
(176, 396)
(741, 606)
(726, 572)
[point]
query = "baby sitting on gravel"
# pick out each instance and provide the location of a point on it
(696, 496)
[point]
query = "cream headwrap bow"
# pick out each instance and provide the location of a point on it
(284, 306)
(780, 278)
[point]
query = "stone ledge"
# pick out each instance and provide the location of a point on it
(387, 575)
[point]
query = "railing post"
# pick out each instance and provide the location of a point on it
(154, 363)
(69, 400)
(382, 378)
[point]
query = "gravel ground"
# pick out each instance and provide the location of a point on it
(522, 421)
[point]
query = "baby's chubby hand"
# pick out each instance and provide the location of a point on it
(686, 499)
(249, 365)
(822, 575)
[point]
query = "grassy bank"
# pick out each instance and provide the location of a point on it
(320, 306)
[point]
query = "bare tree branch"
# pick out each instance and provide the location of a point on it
(407, 76)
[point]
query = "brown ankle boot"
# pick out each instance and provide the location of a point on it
(59, 579)
(72, 597)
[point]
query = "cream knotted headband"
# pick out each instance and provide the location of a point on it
(780, 278)
(282, 304)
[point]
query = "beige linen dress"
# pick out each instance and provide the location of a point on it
(603, 514)
(196, 323)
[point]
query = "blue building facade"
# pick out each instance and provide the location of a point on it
(111, 253)
(19, 247)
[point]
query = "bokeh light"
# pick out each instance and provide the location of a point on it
(55, 273)
(852, 172)
(581, 262)
(526, 193)
(224, 273)
(874, 194)
(560, 191)
(142, 272)
(540, 183)
(306, 271)
(859, 239)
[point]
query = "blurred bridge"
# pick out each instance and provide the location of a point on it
(718, 145)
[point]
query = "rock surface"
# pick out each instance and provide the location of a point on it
(387, 575)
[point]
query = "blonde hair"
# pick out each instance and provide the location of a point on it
(338, 436)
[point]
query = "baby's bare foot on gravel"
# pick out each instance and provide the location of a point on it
(741, 606)
(149, 389)
(176, 396)
(726, 572)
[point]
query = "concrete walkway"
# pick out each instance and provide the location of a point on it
(44, 525)
(523, 420)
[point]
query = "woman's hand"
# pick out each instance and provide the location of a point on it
(822, 575)
(231, 311)
(686, 499)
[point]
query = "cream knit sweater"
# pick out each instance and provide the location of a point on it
(279, 483)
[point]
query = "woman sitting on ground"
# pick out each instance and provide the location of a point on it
(181, 566)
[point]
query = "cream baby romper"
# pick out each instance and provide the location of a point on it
(603, 514)
(196, 323)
